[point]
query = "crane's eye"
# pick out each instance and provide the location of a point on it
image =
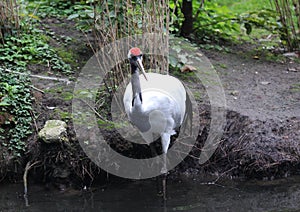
(136, 57)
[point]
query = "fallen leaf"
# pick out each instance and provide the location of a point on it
(188, 68)
(199, 54)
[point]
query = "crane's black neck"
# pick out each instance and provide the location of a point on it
(136, 86)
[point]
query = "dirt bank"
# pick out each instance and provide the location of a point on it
(262, 134)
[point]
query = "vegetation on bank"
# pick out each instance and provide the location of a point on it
(208, 23)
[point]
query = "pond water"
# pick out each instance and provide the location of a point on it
(183, 195)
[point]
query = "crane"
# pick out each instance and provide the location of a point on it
(155, 104)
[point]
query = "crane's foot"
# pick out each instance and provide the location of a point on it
(162, 186)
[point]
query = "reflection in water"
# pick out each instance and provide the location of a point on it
(184, 195)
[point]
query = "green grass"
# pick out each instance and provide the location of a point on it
(243, 6)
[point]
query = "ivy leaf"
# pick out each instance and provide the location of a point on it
(73, 16)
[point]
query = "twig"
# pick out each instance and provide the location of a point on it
(34, 120)
(35, 88)
(39, 76)
(27, 168)
(216, 180)
(93, 109)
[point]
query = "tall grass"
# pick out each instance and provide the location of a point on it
(9, 18)
(289, 12)
(116, 19)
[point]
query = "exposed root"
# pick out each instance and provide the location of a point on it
(29, 165)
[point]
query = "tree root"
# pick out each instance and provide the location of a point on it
(27, 168)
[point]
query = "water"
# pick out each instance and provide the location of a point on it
(183, 195)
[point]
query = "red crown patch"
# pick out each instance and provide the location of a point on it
(135, 51)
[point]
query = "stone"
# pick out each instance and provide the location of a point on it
(54, 131)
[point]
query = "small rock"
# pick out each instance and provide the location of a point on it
(54, 131)
(265, 83)
(234, 93)
(292, 69)
(50, 108)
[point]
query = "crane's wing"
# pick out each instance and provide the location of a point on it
(156, 91)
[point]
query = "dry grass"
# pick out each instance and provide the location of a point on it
(129, 18)
(9, 18)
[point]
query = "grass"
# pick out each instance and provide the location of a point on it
(243, 6)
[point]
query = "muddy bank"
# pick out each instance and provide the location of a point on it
(262, 134)
(250, 148)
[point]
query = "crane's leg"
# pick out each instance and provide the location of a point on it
(158, 180)
(148, 137)
(165, 140)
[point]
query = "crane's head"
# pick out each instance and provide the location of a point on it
(135, 57)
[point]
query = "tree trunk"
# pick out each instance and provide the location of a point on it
(187, 25)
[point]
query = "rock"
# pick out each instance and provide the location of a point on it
(54, 131)
(265, 83)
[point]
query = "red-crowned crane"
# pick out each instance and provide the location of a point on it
(155, 104)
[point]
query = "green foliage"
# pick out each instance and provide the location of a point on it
(82, 11)
(15, 116)
(262, 19)
(30, 48)
(50, 8)
(214, 21)
(211, 21)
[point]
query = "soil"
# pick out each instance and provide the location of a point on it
(262, 134)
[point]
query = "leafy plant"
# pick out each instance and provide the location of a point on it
(81, 11)
(210, 20)
(29, 48)
(213, 22)
(48, 8)
(15, 113)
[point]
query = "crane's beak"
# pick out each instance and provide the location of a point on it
(141, 67)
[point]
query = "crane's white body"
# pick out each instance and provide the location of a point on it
(161, 108)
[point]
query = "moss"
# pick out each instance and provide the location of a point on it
(58, 89)
(63, 115)
(67, 56)
(67, 96)
(295, 88)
